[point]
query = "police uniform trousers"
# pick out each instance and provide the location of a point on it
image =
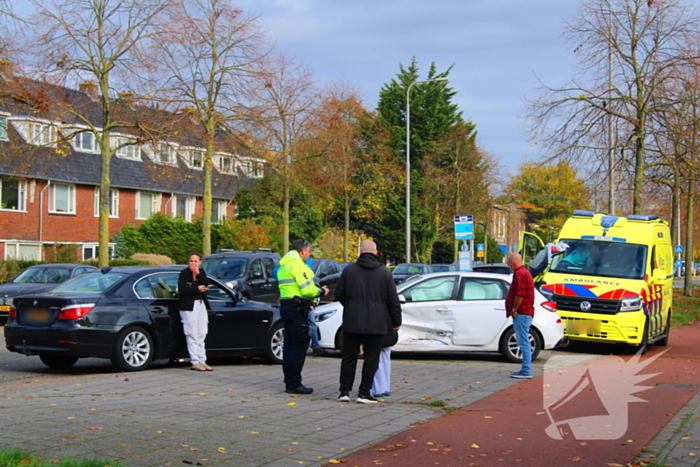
(296, 342)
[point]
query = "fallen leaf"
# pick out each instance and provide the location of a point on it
(71, 436)
(190, 404)
(488, 416)
(290, 450)
(94, 427)
(126, 415)
(295, 442)
(222, 450)
(254, 432)
(630, 441)
(202, 394)
(475, 446)
(71, 418)
(334, 461)
(92, 410)
(576, 459)
(158, 431)
(429, 443)
(291, 403)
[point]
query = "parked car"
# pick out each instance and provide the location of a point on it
(327, 272)
(495, 268)
(130, 315)
(405, 270)
(248, 272)
(442, 267)
(455, 311)
(35, 279)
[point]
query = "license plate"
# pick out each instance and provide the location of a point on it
(5, 308)
(38, 315)
(583, 327)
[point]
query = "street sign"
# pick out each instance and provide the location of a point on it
(678, 249)
(479, 250)
(464, 228)
(679, 263)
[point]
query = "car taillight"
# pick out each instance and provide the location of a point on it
(550, 306)
(75, 311)
(12, 313)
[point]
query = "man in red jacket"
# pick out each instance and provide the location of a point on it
(368, 294)
(520, 305)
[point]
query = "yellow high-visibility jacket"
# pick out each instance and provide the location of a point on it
(295, 278)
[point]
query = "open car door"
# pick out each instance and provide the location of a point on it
(531, 248)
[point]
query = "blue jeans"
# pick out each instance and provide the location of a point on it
(521, 324)
(313, 329)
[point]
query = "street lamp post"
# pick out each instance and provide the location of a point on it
(408, 161)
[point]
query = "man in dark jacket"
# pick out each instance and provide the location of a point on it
(368, 294)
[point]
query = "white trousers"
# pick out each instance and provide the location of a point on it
(382, 378)
(195, 324)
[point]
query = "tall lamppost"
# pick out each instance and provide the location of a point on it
(408, 161)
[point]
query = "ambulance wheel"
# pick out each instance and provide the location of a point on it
(642, 348)
(663, 342)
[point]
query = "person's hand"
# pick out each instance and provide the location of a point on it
(325, 290)
(194, 269)
(203, 288)
(397, 328)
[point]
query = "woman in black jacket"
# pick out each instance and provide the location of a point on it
(192, 287)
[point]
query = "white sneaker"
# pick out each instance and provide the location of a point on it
(366, 399)
(344, 397)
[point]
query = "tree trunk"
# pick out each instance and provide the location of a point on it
(689, 260)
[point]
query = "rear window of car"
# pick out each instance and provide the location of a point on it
(43, 276)
(225, 268)
(93, 283)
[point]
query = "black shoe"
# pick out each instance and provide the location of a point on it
(318, 351)
(344, 397)
(300, 390)
(366, 399)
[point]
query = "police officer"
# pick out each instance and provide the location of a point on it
(297, 294)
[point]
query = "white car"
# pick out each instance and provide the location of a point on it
(456, 311)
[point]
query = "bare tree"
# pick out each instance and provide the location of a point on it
(206, 53)
(280, 114)
(627, 49)
(97, 41)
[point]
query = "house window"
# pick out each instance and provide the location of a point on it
(3, 127)
(41, 133)
(183, 206)
(218, 211)
(225, 164)
(23, 251)
(195, 158)
(113, 202)
(62, 199)
(126, 150)
(92, 250)
(12, 194)
(166, 154)
(147, 204)
(251, 169)
(86, 141)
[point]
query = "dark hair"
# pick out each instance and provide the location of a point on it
(192, 253)
(299, 244)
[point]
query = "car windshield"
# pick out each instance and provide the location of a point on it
(42, 276)
(440, 268)
(598, 258)
(408, 269)
(93, 283)
(225, 268)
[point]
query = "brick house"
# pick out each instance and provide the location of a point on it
(50, 172)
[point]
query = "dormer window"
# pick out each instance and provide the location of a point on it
(126, 147)
(166, 154)
(41, 133)
(86, 141)
(195, 158)
(224, 164)
(3, 127)
(251, 169)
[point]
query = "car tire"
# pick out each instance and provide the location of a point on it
(58, 361)
(663, 342)
(642, 348)
(339, 339)
(508, 345)
(275, 344)
(133, 350)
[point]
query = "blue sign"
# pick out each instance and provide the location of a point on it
(464, 228)
(479, 247)
(679, 263)
(678, 249)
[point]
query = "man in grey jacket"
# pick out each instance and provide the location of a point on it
(368, 294)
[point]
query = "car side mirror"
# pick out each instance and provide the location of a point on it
(402, 299)
(11, 279)
(659, 276)
(257, 274)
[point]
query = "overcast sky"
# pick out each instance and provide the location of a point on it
(497, 47)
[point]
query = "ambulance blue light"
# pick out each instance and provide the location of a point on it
(642, 217)
(579, 212)
(608, 221)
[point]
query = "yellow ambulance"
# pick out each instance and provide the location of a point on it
(610, 276)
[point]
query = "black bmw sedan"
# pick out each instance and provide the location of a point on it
(130, 315)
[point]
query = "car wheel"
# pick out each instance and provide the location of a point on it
(133, 350)
(339, 339)
(663, 342)
(509, 345)
(642, 348)
(58, 361)
(275, 344)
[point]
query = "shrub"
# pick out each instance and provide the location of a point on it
(151, 259)
(61, 253)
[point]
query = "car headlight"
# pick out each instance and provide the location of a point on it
(631, 304)
(324, 315)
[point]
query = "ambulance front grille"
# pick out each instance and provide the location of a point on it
(597, 305)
